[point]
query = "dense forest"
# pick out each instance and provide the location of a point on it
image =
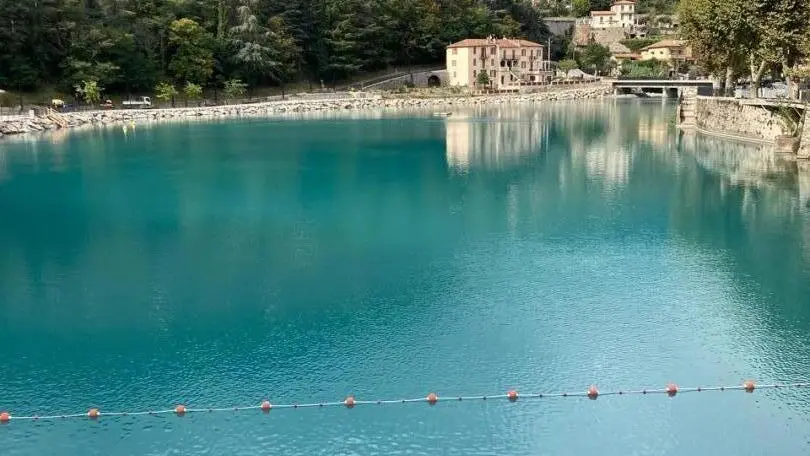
(131, 46)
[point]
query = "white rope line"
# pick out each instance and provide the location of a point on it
(432, 398)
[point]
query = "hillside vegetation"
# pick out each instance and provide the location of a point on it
(132, 45)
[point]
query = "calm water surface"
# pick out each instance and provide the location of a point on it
(539, 248)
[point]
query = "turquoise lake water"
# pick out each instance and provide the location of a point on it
(541, 248)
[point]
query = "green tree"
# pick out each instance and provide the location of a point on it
(252, 44)
(594, 57)
(235, 88)
(530, 22)
(286, 54)
(166, 91)
(568, 65)
(482, 79)
(416, 38)
(721, 34)
(645, 69)
(89, 91)
(193, 58)
(580, 8)
(192, 91)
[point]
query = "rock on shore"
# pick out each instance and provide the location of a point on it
(76, 119)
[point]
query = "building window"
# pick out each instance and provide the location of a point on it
(492, 51)
(492, 62)
(473, 74)
(455, 51)
(452, 63)
(523, 52)
(454, 75)
(513, 53)
(523, 64)
(474, 62)
(492, 73)
(501, 79)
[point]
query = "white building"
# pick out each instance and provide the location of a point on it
(622, 14)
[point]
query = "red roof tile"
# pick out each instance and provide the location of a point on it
(500, 42)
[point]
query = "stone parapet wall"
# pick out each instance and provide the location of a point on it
(729, 116)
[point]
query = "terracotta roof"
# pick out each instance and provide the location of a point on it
(528, 43)
(470, 42)
(624, 2)
(665, 44)
(500, 42)
(627, 55)
(601, 13)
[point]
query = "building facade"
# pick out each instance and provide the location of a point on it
(508, 63)
(667, 51)
(622, 14)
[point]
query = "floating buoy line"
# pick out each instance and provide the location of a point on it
(350, 402)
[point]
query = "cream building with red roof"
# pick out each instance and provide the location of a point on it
(508, 62)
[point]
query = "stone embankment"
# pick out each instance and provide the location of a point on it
(769, 121)
(18, 125)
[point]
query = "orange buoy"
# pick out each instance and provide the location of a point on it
(180, 410)
(349, 402)
(5, 417)
(512, 395)
(593, 393)
(672, 389)
(749, 386)
(432, 398)
(266, 406)
(93, 413)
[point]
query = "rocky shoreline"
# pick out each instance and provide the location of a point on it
(21, 125)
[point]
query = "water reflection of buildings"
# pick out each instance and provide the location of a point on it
(601, 138)
(612, 135)
(494, 138)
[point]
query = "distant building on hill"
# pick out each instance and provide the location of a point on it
(509, 63)
(622, 14)
(668, 51)
(657, 24)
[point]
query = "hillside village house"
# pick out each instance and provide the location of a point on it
(622, 14)
(509, 63)
(667, 50)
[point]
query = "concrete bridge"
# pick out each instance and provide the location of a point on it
(670, 88)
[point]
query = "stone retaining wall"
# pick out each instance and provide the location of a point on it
(804, 138)
(728, 116)
(76, 119)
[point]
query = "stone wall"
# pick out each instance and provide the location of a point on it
(732, 117)
(420, 79)
(804, 138)
(78, 119)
